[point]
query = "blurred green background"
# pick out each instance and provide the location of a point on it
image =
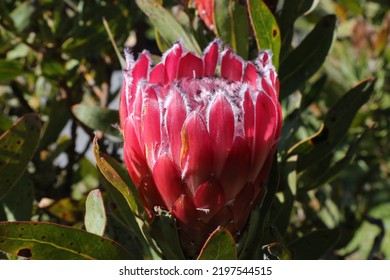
(62, 60)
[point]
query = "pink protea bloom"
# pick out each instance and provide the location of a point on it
(206, 12)
(199, 136)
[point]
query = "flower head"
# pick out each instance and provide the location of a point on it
(199, 135)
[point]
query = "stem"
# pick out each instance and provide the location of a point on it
(19, 95)
(108, 30)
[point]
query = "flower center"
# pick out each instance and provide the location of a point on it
(199, 93)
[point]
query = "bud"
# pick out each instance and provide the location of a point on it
(199, 136)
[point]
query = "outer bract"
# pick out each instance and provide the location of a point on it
(199, 136)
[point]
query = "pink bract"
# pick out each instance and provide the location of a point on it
(199, 136)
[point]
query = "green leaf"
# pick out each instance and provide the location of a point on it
(323, 172)
(22, 15)
(291, 124)
(118, 205)
(10, 70)
(53, 68)
(291, 10)
(223, 21)
(219, 246)
(17, 147)
(97, 118)
(163, 230)
(113, 177)
(58, 117)
(232, 26)
(308, 57)
(248, 241)
(118, 226)
(241, 30)
(48, 241)
(89, 175)
(119, 210)
(110, 173)
(80, 45)
(167, 25)
(163, 46)
(266, 28)
(95, 213)
(313, 93)
(314, 245)
(335, 127)
(117, 175)
(284, 202)
(5, 123)
(18, 203)
(20, 50)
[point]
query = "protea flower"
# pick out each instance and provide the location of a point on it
(206, 10)
(199, 136)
